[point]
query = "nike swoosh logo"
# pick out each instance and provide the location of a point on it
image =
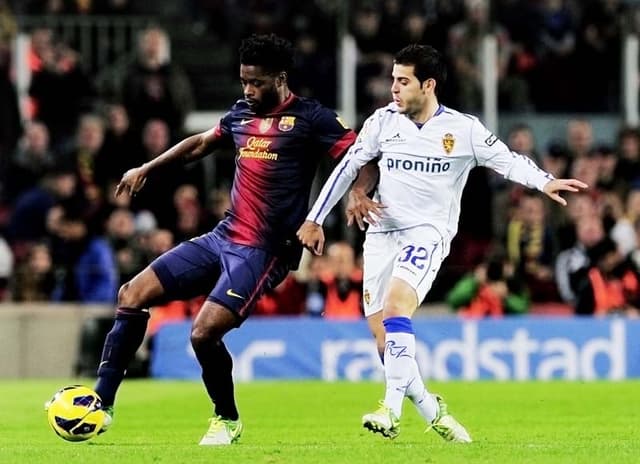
(234, 294)
(244, 122)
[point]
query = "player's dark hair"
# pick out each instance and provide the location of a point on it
(427, 62)
(272, 53)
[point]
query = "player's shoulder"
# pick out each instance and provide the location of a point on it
(451, 117)
(386, 112)
(309, 106)
(459, 116)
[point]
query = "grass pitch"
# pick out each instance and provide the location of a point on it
(314, 422)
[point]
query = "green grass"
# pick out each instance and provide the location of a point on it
(313, 422)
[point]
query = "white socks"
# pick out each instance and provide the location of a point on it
(401, 370)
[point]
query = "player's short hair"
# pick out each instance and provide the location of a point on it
(427, 62)
(272, 53)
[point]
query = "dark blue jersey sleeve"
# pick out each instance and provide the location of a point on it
(331, 133)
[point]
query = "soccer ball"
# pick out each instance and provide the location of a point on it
(75, 413)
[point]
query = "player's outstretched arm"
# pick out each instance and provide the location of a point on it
(189, 149)
(553, 188)
(311, 236)
(361, 208)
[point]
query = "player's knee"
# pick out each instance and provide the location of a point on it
(398, 306)
(128, 297)
(400, 301)
(201, 335)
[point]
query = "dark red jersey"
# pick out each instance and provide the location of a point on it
(276, 159)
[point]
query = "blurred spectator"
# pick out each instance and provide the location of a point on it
(10, 120)
(30, 162)
(121, 149)
(608, 166)
(374, 59)
(34, 279)
(157, 196)
(579, 138)
(570, 262)
(154, 87)
(475, 232)
(521, 19)
(530, 248)
(557, 161)
(219, 201)
(28, 219)
(617, 223)
(341, 284)
(314, 68)
(465, 43)
(85, 267)
(121, 234)
(83, 157)
(287, 299)
(490, 291)
(60, 89)
(628, 167)
(6, 267)
(8, 27)
(89, 140)
(158, 241)
(611, 285)
(600, 41)
(556, 44)
(579, 206)
(505, 194)
(188, 213)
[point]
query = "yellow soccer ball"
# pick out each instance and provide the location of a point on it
(75, 413)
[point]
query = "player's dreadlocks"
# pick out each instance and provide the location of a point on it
(274, 54)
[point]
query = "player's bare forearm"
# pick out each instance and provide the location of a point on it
(367, 178)
(190, 149)
(553, 188)
(361, 208)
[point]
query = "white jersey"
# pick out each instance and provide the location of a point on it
(423, 171)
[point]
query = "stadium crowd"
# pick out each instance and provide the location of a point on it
(65, 237)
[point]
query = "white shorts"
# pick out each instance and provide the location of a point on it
(413, 255)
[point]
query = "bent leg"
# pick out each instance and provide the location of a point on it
(400, 347)
(401, 369)
(127, 333)
(212, 322)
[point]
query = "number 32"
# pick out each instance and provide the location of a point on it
(414, 255)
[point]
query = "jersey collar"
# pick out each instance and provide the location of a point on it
(284, 104)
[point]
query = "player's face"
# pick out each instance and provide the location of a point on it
(259, 88)
(408, 94)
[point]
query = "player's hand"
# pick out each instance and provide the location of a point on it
(132, 181)
(555, 186)
(361, 208)
(311, 236)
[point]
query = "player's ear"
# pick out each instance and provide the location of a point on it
(283, 78)
(429, 85)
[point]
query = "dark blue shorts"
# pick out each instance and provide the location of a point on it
(233, 275)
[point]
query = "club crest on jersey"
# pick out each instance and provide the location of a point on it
(286, 123)
(448, 142)
(367, 297)
(265, 125)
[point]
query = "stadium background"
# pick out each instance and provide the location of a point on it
(91, 88)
